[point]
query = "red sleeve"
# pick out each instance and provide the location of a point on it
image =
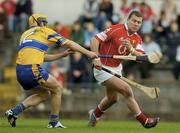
(139, 47)
(104, 35)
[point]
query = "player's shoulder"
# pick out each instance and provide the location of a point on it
(28, 31)
(47, 29)
(138, 37)
(33, 29)
(117, 27)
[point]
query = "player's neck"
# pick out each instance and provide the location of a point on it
(130, 32)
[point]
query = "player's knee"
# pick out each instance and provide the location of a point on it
(45, 95)
(58, 89)
(127, 91)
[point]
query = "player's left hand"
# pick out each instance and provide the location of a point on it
(67, 52)
(97, 63)
(127, 43)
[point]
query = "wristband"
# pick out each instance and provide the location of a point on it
(132, 50)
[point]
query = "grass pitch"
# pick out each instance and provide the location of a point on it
(80, 126)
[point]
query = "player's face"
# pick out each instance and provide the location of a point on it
(134, 23)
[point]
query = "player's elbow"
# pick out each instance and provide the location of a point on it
(47, 58)
(69, 43)
(93, 43)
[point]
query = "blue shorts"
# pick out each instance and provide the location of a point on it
(31, 76)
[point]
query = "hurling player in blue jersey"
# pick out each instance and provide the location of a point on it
(31, 54)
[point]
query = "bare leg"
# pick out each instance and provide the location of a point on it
(42, 94)
(55, 88)
(39, 95)
(114, 85)
(110, 98)
(56, 91)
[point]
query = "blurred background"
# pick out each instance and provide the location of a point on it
(80, 20)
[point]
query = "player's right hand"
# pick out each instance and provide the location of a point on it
(97, 63)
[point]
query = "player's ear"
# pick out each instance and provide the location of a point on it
(42, 21)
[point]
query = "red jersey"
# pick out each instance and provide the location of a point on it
(9, 7)
(110, 43)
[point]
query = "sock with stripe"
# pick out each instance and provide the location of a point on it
(98, 112)
(141, 118)
(18, 109)
(53, 119)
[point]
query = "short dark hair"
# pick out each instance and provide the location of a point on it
(136, 13)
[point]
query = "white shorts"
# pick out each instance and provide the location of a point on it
(102, 76)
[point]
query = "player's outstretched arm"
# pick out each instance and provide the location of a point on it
(53, 57)
(94, 46)
(76, 47)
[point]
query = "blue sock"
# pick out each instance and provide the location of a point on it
(53, 119)
(18, 109)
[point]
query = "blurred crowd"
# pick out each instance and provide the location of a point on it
(14, 15)
(159, 32)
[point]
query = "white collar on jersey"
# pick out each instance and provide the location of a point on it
(126, 27)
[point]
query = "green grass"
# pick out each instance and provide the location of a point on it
(80, 126)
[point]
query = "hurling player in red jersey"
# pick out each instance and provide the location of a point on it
(120, 39)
